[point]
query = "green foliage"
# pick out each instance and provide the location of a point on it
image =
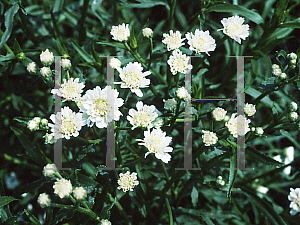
(218, 192)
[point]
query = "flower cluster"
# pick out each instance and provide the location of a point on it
(238, 125)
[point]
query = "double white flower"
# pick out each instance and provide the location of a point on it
(66, 123)
(143, 117)
(96, 107)
(156, 142)
(132, 77)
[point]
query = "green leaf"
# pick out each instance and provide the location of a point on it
(4, 200)
(268, 63)
(264, 206)
(7, 57)
(194, 196)
(16, 47)
(32, 217)
(288, 136)
(59, 40)
(86, 56)
(37, 155)
(290, 25)
(279, 13)
(232, 174)
(257, 155)
(113, 44)
(149, 4)
(87, 181)
(9, 20)
(58, 5)
(251, 15)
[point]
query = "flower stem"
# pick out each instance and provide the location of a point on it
(151, 50)
(171, 19)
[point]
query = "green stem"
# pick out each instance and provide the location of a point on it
(165, 171)
(171, 19)
(8, 49)
(120, 208)
(151, 51)
(169, 211)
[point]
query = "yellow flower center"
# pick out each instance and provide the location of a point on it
(132, 79)
(142, 119)
(68, 126)
(101, 107)
(179, 63)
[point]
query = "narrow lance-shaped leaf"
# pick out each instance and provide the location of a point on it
(9, 20)
(4, 200)
(36, 154)
(251, 15)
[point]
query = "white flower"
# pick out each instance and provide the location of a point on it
(65, 64)
(158, 122)
(79, 193)
(132, 77)
(277, 72)
(293, 116)
(220, 181)
(70, 89)
(201, 41)
(31, 67)
(238, 125)
(234, 28)
(115, 63)
(66, 123)
(120, 32)
(62, 187)
(127, 181)
(173, 40)
(179, 62)
(293, 62)
(283, 75)
(46, 72)
(147, 32)
(143, 117)
(262, 189)
(259, 131)
(294, 197)
(209, 138)
(34, 124)
(170, 104)
(79, 102)
(219, 114)
(156, 142)
(49, 138)
(96, 108)
(182, 93)
(289, 157)
(105, 222)
(293, 106)
(50, 170)
(292, 56)
(275, 66)
(44, 200)
(249, 109)
(47, 57)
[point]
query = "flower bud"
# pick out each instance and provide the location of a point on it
(65, 64)
(293, 106)
(21, 56)
(147, 32)
(277, 72)
(46, 72)
(292, 56)
(44, 200)
(293, 62)
(115, 63)
(293, 116)
(283, 75)
(31, 68)
(47, 57)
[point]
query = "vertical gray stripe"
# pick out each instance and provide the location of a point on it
(58, 144)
